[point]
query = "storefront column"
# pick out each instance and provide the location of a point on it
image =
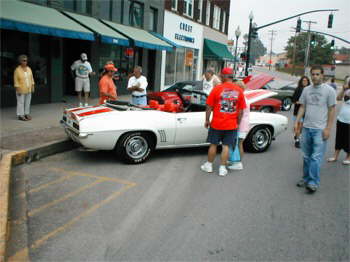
(94, 60)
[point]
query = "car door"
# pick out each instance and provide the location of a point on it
(190, 128)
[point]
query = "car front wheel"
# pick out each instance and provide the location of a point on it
(286, 104)
(258, 140)
(135, 147)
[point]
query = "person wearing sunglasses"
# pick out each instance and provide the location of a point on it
(24, 85)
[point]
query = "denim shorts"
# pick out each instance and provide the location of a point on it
(226, 137)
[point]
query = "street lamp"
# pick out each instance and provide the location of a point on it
(251, 17)
(237, 33)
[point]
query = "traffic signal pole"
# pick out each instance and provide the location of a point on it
(307, 50)
(276, 22)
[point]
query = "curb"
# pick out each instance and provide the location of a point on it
(17, 158)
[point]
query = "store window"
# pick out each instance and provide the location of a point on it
(188, 8)
(170, 68)
(207, 15)
(136, 14)
(200, 7)
(153, 19)
(174, 5)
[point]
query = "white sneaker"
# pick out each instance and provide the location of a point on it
(207, 167)
(86, 104)
(80, 104)
(235, 166)
(222, 171)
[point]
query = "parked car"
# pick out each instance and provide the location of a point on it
(133, 132)
(268, 105)
(284, 89)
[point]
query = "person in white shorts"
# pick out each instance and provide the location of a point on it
(82, 70)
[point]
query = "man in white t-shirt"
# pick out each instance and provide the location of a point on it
(81, 70)
(209, 81)
(137, 85)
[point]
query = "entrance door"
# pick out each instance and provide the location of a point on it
(72, 49)
(151, 67)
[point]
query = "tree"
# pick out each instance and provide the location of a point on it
(320, 53)
(257, 49)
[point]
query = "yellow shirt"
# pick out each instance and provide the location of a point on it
(23, 80)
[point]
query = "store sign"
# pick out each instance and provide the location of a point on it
(189, 58)
(129, 52)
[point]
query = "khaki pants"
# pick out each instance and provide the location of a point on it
(23, 104)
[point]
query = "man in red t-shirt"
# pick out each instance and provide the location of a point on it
(226, 102)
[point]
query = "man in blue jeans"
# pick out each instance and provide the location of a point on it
(317, 102)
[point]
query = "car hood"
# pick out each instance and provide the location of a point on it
(253, 96)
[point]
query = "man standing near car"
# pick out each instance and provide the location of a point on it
(317, 102)
(227, 102)
(209, 81)
(137, 85)
(81, 70)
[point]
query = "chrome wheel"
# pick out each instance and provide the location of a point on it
(261, 138)
(136, 147)
(287, 104)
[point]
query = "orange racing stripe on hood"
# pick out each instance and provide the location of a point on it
(94, 112)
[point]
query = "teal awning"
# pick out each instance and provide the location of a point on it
(216, 51)
(140, 37)
(166, 39)
(31, 18)
(108, 35)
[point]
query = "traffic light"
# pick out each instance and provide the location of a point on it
(254, 34)
(298, 26)
(332, 44)
(313, 40)
(330, 21)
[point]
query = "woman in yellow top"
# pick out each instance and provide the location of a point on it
(24, 84)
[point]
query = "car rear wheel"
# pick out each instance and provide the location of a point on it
(135, 147)
(266, 109)
(286, 104)
(258, 140)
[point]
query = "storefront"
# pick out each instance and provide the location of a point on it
(185, 62)
(216, 54)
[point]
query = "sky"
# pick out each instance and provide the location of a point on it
(267, 11)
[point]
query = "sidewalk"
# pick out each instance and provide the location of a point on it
(43, 128)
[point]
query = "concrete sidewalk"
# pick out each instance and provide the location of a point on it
(25, 141)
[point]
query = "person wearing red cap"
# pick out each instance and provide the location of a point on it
(106, 85)
(226, 102)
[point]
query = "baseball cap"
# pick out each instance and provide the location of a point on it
(110, 67)
(227, 71)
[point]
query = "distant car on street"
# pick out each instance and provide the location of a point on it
(284, 89)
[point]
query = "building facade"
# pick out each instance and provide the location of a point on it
(198, 29)
(53, 33)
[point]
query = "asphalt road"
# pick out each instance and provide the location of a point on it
(88, 206)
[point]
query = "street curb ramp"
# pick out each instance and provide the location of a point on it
(17, 158)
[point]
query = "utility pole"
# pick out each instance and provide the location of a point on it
(272, 34)
(294, 51)
(307, 50)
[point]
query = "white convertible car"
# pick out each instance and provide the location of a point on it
(134, 132)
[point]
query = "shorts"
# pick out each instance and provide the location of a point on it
(82, 84)
(226, 137)
(295, 118)
(242, 135)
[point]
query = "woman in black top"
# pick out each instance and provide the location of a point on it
(303, 82)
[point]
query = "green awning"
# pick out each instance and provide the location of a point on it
(216, 51)
(108, 35)
(31, 18)
(140, 37)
